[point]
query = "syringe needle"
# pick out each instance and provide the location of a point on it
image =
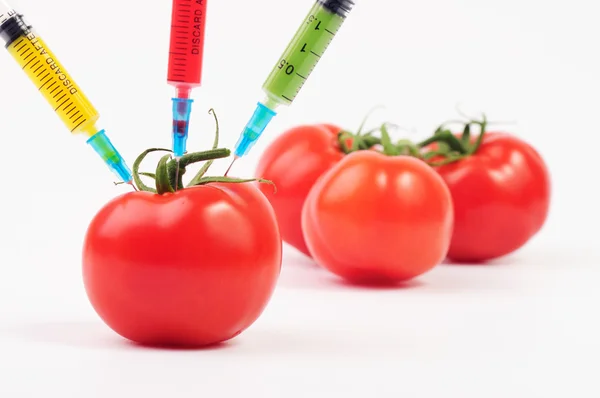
(231, 165)
(176, 173)
(133, 185)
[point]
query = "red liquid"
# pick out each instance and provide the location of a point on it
(187, 45)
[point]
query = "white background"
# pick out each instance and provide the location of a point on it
(524, 326)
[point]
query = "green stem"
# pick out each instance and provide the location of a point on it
(202, 156)
(343, 136)
(364, 122)
(388, 148)
(136, 167)
(483, 127)
(163, 183)
(445, 136)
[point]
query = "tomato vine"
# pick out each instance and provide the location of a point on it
(169, 173)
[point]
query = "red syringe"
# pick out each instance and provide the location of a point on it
(186, 51)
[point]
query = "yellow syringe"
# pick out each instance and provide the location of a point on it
(58, 87)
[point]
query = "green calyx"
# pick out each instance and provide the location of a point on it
(449, 147)
(168, 177)
(361, 140)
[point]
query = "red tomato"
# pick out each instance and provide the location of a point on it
(501, 197)
(294, 161)
(375, 218)
(192, 268)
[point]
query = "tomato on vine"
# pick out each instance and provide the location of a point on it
(500, 188)
(378, 217)
(183, 265)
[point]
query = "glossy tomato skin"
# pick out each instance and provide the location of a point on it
(294, 161)
(501, 198)
(192, 268)
(378, 219)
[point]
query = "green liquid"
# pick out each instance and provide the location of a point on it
(302, 55)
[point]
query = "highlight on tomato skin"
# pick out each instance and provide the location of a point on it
(374, 218)
(190, 268)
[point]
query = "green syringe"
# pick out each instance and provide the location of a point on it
(294, 67)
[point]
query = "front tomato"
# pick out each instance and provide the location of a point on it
(377, 218)
(294, 161)
(192, 268)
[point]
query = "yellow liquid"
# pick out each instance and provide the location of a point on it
(55, 84)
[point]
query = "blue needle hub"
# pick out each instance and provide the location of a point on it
(103, 147)
(182, 109)
(260, 120)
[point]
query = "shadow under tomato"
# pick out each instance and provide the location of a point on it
(297, 258)
(318, 278)
(174, 347)
(378, 285)
(504, 261)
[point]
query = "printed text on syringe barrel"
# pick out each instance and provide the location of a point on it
(186, 49)
(54, 82)
(303, 53)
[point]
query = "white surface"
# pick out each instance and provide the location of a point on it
(526, 326)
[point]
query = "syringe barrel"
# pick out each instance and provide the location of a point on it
(48, 75)
(305, 49)
(186, 50)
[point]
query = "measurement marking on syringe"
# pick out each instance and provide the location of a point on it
(30, 61)
(32, 66)
(61, 103)
(73, 114)
(314, 53)
(75, 128)
(48, 81)
(50, 86)
(38, 68)
(330, 32)
(57, 94)
(67, 107)
(55, 88)
(45, 76)
(72, 109)
(301, 75)
(39, 74)
(58, 100)
(286, 98)
(25, 52)
(20, 48)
